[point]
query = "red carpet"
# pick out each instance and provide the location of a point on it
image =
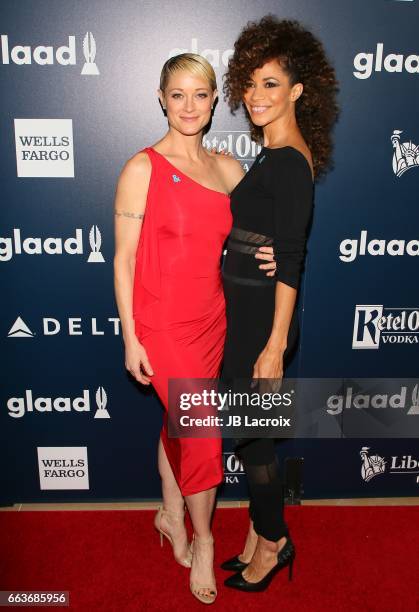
(348, 559)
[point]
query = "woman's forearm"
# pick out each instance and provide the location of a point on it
(285, 298)
(123, 282)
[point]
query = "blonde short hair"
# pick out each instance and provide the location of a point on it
(191, 62)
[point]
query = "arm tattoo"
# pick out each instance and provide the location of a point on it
(130, 214)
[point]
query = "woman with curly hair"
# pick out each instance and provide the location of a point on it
(280, 75)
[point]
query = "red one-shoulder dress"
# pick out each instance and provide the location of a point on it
(178, 302)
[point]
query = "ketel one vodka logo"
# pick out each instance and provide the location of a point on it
(73, 245)
(239, 144)
(406, 154)
(42, 55)
(19, 406)
(233, 468)
(374, 323)
(372, 465)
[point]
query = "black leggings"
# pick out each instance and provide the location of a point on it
(266, 497)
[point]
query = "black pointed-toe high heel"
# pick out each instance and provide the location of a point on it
(286, 557)
(234, 564)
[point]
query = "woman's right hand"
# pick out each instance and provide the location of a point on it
(137, 363)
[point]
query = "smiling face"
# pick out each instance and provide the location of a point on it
(188, 99)
(270, 96)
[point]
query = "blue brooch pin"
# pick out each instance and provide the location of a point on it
(175, 178)
(262, 158)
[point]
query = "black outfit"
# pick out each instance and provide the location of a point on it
(272, 205)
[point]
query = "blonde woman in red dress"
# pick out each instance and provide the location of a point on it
(172, 217)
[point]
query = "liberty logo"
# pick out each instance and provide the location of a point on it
(175, 178)
(414, 408)
(371, 465)
(101, 401)
(89, 51)
(95, 241)
(406, 154)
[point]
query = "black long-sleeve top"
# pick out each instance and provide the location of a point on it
(272, 205)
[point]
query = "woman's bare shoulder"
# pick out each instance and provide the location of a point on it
(138, 164)
(228, 165)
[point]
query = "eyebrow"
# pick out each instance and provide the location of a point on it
(268, 78)
(196, 89)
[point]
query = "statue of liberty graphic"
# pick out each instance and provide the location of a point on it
(406, 154)
(372, 465)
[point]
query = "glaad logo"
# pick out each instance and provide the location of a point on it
(89, 51)
(212, 55)
(406, 154)
(238, 143)
(73, 245)
(366, 63)
(63, 467)
(233, 468)
(45, 55)
(372, 465)
(414, 408)
(350, 248)
(395, 326)
(95, 241)
(19, 406)
(101, 401)
(73, 325)
(336, 404)
(44, 148)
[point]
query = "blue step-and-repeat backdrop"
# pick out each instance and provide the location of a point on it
(78, 82)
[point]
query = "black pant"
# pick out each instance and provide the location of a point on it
(250, 311)
(266, 497)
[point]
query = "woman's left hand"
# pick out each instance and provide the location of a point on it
(269, 366)
(267, 254)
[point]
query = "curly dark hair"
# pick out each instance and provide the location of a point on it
(303, 58)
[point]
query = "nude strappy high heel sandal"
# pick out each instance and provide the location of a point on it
(176, 516)
(196, 587)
